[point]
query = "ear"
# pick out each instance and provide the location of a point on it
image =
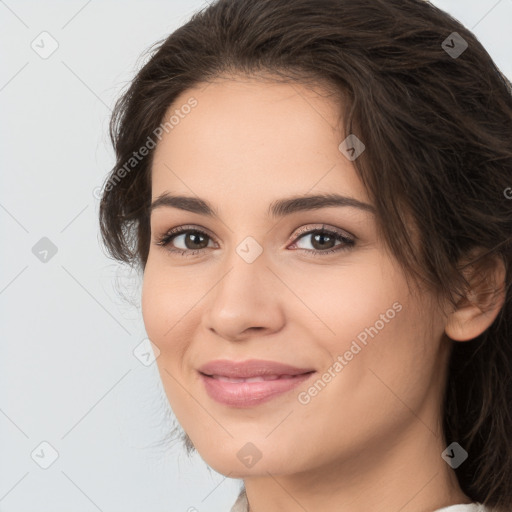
(479, 307)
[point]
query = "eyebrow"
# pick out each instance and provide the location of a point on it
(278, 208)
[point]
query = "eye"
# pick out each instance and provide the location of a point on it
(324, 241)
(193, 241)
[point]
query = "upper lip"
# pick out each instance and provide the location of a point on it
(249, 368)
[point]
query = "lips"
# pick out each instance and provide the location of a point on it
(249, 379)
(249, 383)
(250, 369)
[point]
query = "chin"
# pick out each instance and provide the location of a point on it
(241, 459)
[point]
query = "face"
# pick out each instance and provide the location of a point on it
(256, 286)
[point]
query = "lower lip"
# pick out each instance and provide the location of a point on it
(248, 394)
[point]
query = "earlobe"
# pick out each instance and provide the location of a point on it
(478, 309)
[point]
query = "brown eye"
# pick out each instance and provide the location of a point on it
(321, 241)
(195, 240)
(189, 242)
(185, 241)
(324, 241)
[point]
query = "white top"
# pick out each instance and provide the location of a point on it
(241, 505)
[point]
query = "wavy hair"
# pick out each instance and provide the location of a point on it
(436, 120)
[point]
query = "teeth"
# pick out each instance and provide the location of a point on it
(250, 379)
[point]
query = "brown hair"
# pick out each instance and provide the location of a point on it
(437, 127)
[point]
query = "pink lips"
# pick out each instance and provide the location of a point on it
(251, 382)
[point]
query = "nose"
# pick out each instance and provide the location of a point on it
(247, 301)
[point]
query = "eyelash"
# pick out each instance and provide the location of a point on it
(347, 243)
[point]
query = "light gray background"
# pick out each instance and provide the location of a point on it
(68, 373)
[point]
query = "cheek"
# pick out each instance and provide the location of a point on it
(366, 315)
(165, 300)
(169, 311)
(388, 356)
(341, 302)
(152, 304)
(161, 310)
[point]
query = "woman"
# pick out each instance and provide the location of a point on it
(316, 193)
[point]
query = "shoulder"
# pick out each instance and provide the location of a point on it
(241, 504)
(471, 507)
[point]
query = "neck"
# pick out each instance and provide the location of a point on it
(408, 475)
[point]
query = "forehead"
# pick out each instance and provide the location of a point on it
(248, 137)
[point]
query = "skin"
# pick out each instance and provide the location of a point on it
(371, 440)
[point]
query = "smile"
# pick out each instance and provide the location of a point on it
(250, 383)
